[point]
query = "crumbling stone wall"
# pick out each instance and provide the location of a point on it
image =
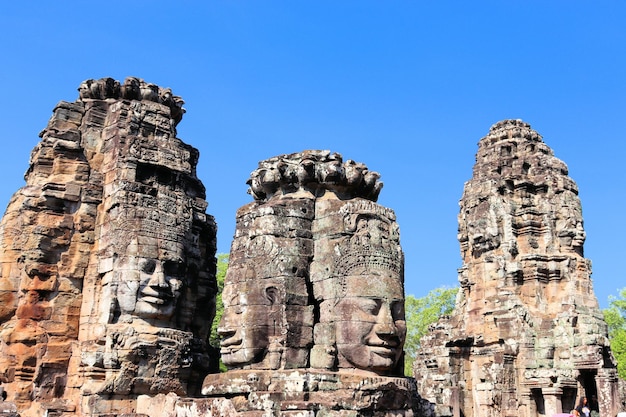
(107, 259)
(526, 336)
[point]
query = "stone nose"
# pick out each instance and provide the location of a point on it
(158, 278)
(385, 324)
(227, 326)
(225, 331)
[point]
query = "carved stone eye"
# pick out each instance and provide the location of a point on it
(148, 266)
(271, 293)
(368, 305)
(174, 269)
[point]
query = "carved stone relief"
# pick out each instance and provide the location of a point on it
(108, 268)
(516, 342)
(314, 285)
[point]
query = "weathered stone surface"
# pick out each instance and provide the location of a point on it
(303, 392)
(313, 298)
(313, 241)
(108, 276)
(313, 173)
(106, 258)
(107, 282)
(526, 337)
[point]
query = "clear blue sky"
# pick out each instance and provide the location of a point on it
(408, 88)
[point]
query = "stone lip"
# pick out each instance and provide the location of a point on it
(314, 172)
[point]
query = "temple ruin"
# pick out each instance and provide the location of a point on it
(314, 296)
(526, 337)
(108, 259)
(108, 286)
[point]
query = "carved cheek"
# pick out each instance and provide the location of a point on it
(354, 332)
(176, 284)
(401, 326)
(127, 294)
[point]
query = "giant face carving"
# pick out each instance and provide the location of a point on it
(251, 320)
(157, 270)
(370, 324)
(147, 239)
(368, 313)
(151, 287)
(149, 283)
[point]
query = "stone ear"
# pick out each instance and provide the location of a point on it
(272, 295)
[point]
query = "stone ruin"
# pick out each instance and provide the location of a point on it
(526, 337)
(313, 297)
(107, 282)
(107, 259)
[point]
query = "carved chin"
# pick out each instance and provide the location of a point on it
(242, 356)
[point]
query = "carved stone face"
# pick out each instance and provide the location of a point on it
(151, 287)
(159, 288)
(370, 324)
(249, 321)
(572, 235)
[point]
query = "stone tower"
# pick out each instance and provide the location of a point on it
(313, 318)
(526, 337)
(107, 258)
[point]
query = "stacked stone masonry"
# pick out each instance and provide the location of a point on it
(107, 259)
(313, 298)
(107, 282)
(526, 337)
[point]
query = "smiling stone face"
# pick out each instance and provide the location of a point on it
(159, 288)
(268, 319)
(370, 325)
(153, 275)
(150, 288)
(357, 275)
(157, 250)
(249, 322)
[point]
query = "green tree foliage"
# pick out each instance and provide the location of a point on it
(421, 313)
(222, 266)
(615, 317)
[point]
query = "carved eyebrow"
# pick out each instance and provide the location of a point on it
(372, 304)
